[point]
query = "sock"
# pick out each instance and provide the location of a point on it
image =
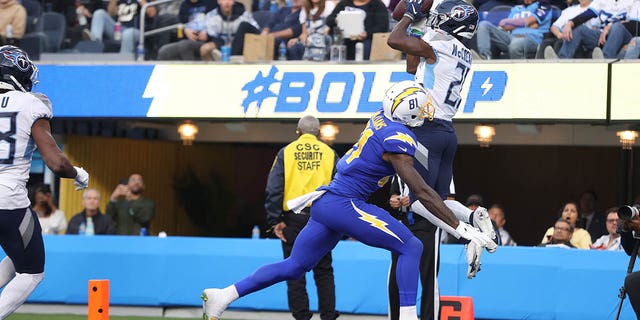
(230, 294)
(17, 291)
(408, 313)
(7, 271)
(462, 213)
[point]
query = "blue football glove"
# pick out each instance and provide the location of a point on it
(413, 10)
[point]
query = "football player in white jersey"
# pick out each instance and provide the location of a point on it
(24, 125)
(439, 58)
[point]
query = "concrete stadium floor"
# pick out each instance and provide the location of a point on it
(174, 312)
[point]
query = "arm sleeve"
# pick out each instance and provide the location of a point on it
(183, 14)
(331, 19)
(19, 23)
(143, 212)
(275, 190)
(583, 17)
(380, 19)
(394, 187)
(110, 227)
(72, 228)
(112, 210)
(41, 108)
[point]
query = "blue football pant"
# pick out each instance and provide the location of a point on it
(331, 217)
(439, 137)
(21, 240)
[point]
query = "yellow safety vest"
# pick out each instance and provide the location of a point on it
(308, 164)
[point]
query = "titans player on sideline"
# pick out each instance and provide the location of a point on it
(386, 145)
(436, 54)
(24, 120)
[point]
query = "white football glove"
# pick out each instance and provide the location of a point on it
(473, 259)
(472, 234)
(482, 221)
(82, 178)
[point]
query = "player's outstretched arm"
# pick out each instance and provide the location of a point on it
(51, 154)
(53, 157)
(401, 41)
(403, 164)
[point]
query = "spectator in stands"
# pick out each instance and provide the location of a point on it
(474, 201)
(78, 16)
(617, 35)
(125, 12)
(284, 26)
(128, 208)
(562, 233)
(580, 237)
(52, 219)
(315, 32)
(195, 10)
(590, 220)
(205, 35)
(577, 34)
(556, 29)
(496, 213)
(12, 14)
(610, 241)
(376, 20)
(91, 216)
(519, 34)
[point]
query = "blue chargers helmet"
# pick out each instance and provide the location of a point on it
(17, 72)
(455, 17)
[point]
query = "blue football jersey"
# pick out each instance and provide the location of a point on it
(361, 171)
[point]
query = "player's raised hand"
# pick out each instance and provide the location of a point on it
(474, 252)
(413, 10)
(472, 234)
(82, 178)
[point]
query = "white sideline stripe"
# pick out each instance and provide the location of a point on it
(173, 312)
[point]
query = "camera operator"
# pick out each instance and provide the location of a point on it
(630, 234)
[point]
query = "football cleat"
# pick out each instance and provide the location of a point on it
(212, 305)
(482, 221)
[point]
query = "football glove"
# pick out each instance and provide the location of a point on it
(472, 234)
(82, 178)
(482, 221)
(413, 10)
(473, 259)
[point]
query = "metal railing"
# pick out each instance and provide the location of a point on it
(143, 13)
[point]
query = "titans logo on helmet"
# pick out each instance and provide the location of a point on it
(460, 13)
(18, 59)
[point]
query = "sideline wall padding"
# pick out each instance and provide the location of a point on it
(514, 283)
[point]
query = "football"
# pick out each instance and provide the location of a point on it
(398, 11)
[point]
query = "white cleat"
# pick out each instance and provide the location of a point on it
(212, 304)
(482, 221)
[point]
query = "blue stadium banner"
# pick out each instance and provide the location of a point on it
(493, 91)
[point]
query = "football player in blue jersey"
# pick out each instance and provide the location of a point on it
(437, 54)
(385, 146)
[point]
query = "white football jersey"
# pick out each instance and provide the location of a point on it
(444, 79)
(18, 112)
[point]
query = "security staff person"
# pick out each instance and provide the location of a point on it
(299, 168)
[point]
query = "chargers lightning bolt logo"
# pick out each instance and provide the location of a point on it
(375, 222)
(485, 86)
(402, 137)
(405, 93)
